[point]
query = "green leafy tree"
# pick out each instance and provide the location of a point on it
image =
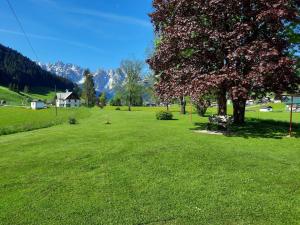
(132, 84)
(102, 100)
(149, 89)
(116, 100)
(89, 93)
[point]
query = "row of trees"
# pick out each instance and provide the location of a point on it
(15, 87)
(130, 91)
(233, 49)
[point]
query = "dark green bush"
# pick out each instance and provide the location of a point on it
(118, 108)
(164, 115)
(72, 120)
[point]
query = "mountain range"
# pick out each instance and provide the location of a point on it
(105, 80)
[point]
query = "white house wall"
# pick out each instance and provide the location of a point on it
(37, 105)
(68, 103)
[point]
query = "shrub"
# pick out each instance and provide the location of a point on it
(118, 108)
(164, 115)
(72, 120)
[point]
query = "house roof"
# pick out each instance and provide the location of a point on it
(66, 95)
(63, 96)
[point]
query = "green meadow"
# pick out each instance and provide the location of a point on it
(138, 170)
(20, 119)
(21, 98)
(11, 97)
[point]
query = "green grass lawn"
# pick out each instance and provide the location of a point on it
(21, 98)
(42, 93)
(138, 170)
(11, 98)
(18, 119)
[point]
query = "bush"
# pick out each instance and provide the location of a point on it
(72, 120)
(164, 115)
(118, 108)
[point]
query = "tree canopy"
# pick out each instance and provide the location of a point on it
(238, 47)
(132, 84)
(88, 92)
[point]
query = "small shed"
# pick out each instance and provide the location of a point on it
(37, 104)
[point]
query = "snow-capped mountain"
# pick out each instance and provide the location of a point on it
(108, 80)
(69, 71)
(104, 80)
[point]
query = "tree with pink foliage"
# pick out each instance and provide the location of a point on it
(235, 48)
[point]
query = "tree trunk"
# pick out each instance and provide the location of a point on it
(239, 109)
(182, 105)
(222, 103)
(129, 103)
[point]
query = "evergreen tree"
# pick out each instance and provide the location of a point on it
(10, 86)
(88, 92)
(17, 88)
(14, 87)
(77, 90)
(26, 89)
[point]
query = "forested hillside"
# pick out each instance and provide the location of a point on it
(20, 71)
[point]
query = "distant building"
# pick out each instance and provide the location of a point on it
(296, 104)
(250, 102)
(150, 104)
(37, 104)
(266, 109)
(67, 100)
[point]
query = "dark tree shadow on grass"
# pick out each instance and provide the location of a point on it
(257, 128)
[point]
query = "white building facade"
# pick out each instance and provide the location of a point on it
(67, 100)
(37, 104)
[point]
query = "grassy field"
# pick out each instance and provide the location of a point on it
(18, 119)
(21, 98)
(138, 170)
(11, 97)
(42, 93)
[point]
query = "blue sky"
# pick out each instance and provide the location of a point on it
(93, 34)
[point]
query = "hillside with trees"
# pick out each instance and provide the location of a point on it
(19, 72)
